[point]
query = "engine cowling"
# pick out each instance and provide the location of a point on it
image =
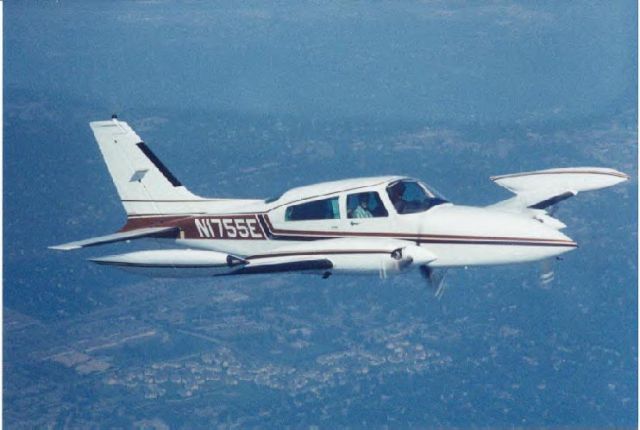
(412, 255)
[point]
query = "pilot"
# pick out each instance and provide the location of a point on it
(395, 195)
(362, 210)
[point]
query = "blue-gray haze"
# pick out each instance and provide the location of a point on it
(252, 98)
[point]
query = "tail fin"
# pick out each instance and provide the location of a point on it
(144, 184)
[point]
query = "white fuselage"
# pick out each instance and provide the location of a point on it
(321, 225)
(457, 235)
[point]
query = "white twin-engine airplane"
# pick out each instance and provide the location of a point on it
(382, 225)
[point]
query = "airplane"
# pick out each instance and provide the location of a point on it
(380, 225)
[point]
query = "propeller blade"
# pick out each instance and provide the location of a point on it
(547, 272)
(435, 279)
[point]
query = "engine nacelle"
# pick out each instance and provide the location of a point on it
(412, 254)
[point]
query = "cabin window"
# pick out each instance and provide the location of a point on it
(365, 205)
(318, 209)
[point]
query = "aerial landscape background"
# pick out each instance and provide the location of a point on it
(248, 100)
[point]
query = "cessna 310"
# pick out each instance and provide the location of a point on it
(382, 225)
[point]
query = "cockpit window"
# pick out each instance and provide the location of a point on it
(318, 209)
(365, 205)
(411, 197)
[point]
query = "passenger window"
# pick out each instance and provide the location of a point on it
(318, 209)
(365, 205)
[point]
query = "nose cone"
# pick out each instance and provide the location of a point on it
(533, 240)
(538, 241)
(560, 240)
(491, 237)
(548, 233)
(530, 229)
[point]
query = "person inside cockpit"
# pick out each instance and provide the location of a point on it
(396, 193)
(362, 210)
(410, 197)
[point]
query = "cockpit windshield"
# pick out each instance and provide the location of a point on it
(410, 197)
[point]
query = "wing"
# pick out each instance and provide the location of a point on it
(322, 257)
(116, 237)
(543, 188)
(176, 263)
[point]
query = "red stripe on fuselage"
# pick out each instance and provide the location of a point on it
(416, 237)
(134, 223)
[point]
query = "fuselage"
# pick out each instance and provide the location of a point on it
(457, 235)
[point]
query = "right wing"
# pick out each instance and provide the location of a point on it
(543, 188)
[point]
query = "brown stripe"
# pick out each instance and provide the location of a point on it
(165, 215)
(136, 223)
(412, 235)
(327, 252)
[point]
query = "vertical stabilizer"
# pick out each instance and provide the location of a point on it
(144, 184)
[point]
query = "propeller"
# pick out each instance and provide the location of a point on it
(547, 267)
(435, 279)
(547, 272)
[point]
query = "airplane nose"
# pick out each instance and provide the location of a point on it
(568, 242)
(541, 242)
(556, 242)
(553, 234)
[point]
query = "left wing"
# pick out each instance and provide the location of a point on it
(543, 188)
(322, 257)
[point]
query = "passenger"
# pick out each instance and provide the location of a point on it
(362, 210)
(395, 195)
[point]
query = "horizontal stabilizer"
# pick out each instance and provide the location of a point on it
(116, 237)
(543, 188)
